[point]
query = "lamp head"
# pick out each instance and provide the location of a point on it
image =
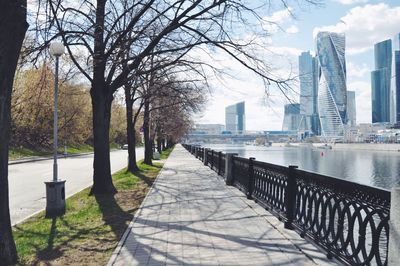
(56, 48)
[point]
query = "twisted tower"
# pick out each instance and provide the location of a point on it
(332, 94)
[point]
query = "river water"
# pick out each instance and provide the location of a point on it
(375, 168)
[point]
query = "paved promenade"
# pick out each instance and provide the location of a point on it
(190, 217)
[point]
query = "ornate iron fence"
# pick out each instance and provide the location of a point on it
(349, 220)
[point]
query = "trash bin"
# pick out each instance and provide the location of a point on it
(156, 155)
(55, 198)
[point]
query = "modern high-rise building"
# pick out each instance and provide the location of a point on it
(332, 92)
(291, 119)
(235, 118)
(351, 108)
(380, 83)
(395, 81)
(308, 75)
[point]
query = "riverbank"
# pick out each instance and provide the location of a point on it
(394, 147)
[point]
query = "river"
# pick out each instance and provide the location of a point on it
(375, 168)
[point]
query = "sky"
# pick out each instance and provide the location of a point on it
(365, 22)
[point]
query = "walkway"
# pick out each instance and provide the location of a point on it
(190, 217)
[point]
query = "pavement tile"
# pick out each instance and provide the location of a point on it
(191, 218)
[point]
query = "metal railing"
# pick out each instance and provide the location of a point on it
(349, 220)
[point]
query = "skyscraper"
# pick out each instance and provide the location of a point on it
(235, 118)
(351, 108)
(291, 119)
(332, 92)
(380, 83)
(308, 75)
(395, 80)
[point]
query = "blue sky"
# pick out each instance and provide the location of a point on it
(364, 22)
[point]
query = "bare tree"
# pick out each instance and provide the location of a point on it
(12, 19)
(104, 29)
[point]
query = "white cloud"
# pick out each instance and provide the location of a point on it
(351, 2)
(355, 71)
(292, 29)
(364, 26)
(285, 51)
(272, 24)
(279, 16)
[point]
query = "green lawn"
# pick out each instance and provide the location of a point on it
(77, 149)
(18, 153)
(164, 155)
(89, 231)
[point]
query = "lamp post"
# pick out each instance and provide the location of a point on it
(55, 189)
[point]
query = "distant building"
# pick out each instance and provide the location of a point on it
(395, 80)
(292, 117)
(210, 129)
(235, 118)
(332, 91)
(351, 108)
(308, 75)
(380, 83)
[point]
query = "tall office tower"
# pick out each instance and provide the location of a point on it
(395, 80)
(316, 125)
(332, 92)
(235, 118)
(308, 75)
(351, 108)
(380, 82)
(291, 119)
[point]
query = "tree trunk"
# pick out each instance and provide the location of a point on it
(159, 144)
(163, 144)
(148, 146)
(12, 19)
(101, 106)
(130, 132)
(102, 97)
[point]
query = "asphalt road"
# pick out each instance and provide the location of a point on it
(26, 180)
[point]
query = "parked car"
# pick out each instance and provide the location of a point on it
(125, 146)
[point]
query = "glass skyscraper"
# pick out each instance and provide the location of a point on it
(395, 80)
(308, 75)
(235, 118)
(351, 108)
(332, 92)
(380, 83)
(291, 119)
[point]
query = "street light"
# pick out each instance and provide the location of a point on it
(55, 189)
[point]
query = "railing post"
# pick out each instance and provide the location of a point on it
(250, 185)
(196, 152)
(205, 161)
(212, 159)
(394, 228)
(219, 162)
(290, 197)
(229, 168)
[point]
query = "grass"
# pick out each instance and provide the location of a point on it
(18, 153)
(77, 149)
(164, 155)
(89, 231)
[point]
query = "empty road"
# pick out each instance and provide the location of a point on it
(26, 180)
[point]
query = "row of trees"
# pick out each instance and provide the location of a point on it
(32, 112)
(145, 47)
